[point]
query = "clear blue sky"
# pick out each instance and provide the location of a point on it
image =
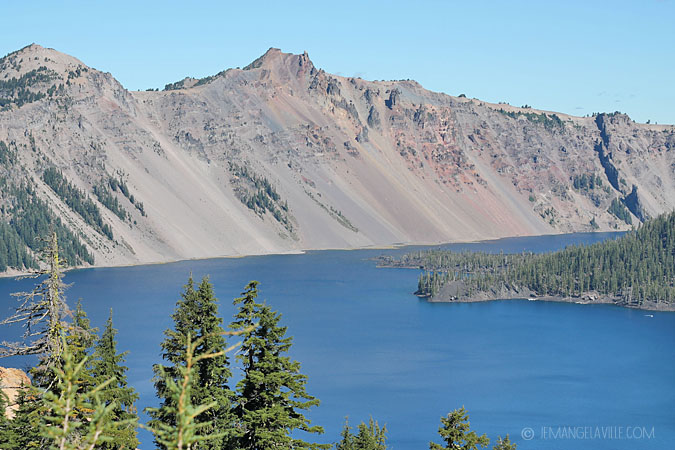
(571, 56)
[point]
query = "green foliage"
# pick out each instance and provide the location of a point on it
(13, 250)
(186, 429)
(106, 197)
(369, 437)
(32, 218)
(81, 338)
(42, 313)
(72, 405)
(107, 364)
(23, 431)
(594, 225)
(7, 155)
(16, 91)
(174, 86)
(455, 432)
(76, 200)
(548, 121)
(118, 184)
(196, 315)
(586, 182)
(619, 210)
(66, 426)
(259, 195)
(271, 393)
(504, 444)
(636, 268)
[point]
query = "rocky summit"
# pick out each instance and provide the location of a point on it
(281, 156)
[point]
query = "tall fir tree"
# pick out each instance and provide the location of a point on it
(456, 433)
(272, 392)
(504, 444)
(196, 315)
(81, 338)
(107, 364)
(369, 437)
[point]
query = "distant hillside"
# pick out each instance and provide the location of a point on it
(281, 156)
(635, 270)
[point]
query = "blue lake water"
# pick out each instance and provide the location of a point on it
(371, 348)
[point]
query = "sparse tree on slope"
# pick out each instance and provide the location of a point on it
(272, 391)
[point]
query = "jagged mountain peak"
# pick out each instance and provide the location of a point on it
(274, 58)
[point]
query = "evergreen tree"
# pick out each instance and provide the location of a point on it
(107, 365)
(347, 438)
(42, 312)
(7, 436)
(369, 437)
(77, 419)
(196, 315)
(455, 432)
(504, 444)
(22, 431)
(185, 433)
(272, 392)
(639, 267)
(81, 338)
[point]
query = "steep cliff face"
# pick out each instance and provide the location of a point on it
(281, 156)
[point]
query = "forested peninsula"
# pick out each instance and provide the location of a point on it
(636, 270)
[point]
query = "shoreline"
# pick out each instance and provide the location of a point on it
(583, 300)
(13, 273)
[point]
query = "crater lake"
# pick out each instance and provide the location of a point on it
(551, 375)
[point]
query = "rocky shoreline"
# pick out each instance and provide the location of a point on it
(455, 292)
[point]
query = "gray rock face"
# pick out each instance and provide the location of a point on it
(282, 156)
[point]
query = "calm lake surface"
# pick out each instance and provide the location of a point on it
(371, 348)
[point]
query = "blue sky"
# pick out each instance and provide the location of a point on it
(576, 57)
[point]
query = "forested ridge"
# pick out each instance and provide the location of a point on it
(25, 218)
(635, 269)
(77, 200)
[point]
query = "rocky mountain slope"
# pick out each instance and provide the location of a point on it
(282, 156)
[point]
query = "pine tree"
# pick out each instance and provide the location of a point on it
(22, 432)
(504, 444)
(81, 338)
(369, 437)
(107, 365)
(455, 432)
(185, 433)
(65, 425)
(42, 313)
(7, 436)
(272, 392)
(347, 438)
(196, 315)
